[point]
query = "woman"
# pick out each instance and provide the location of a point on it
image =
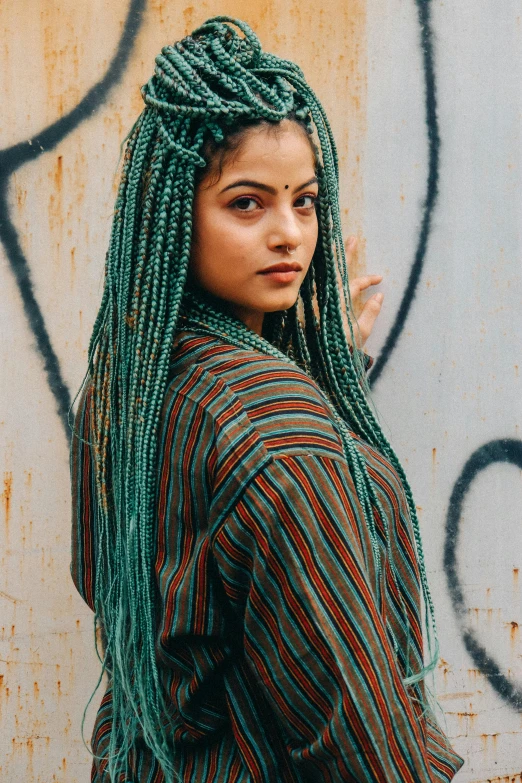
(241, 527)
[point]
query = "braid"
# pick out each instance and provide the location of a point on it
(204, 88)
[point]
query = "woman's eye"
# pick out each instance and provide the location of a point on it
(309, 201)
(245, 204)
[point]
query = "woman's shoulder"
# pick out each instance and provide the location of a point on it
(279, 400)
(255, 376)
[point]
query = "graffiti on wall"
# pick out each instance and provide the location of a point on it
(503, 450)
(507, 450)
(432, 125)
(19, 154)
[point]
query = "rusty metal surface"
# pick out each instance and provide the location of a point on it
(441, 117)
(456, 362)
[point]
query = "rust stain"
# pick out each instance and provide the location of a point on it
(188, 19)
(476, 611)
(50, 58)
(467, 718)
(485, 740)
(515, 578)
(73, 266)
(513, 632)
(21, 195)
(460, 695)
(7, 497)
(58, 174)
(55, 197)
(446, 669)
(514, 777)
(9, 598)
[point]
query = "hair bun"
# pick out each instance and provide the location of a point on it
(217, 73)
(246, 50)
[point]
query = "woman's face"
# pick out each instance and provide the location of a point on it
(261, 208)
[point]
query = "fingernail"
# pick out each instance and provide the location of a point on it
(379, 297)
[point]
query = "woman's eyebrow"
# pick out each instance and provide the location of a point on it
(250, 183)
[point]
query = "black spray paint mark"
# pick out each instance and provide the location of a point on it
(504, 450)
(12, 158)
(423, 8)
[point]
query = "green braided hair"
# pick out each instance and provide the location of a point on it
(207, 87)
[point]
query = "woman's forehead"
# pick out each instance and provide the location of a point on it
(286, 153)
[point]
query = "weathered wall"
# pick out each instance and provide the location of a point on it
(429, 137)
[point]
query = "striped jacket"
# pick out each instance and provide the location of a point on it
(274, 640)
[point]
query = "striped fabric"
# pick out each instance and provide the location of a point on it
(275, 634)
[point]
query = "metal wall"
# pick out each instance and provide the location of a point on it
(425, 103)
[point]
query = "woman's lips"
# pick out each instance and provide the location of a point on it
(282, 273)
(281, 267)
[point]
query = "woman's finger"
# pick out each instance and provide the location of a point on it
(368, 316)
(351, 244)
(359, 284)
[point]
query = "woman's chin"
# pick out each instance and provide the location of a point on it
(282, 302)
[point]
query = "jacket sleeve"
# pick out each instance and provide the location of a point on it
(83, 496)
(291, 562)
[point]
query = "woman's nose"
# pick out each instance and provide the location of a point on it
(285, 232)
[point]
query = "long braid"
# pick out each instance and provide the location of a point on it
(203, 87)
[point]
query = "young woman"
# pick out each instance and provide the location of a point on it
(242, 529)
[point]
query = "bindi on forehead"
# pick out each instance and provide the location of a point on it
(286, 187)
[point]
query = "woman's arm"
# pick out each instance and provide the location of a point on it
(314, 641)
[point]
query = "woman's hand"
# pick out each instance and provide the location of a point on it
(366, 313)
